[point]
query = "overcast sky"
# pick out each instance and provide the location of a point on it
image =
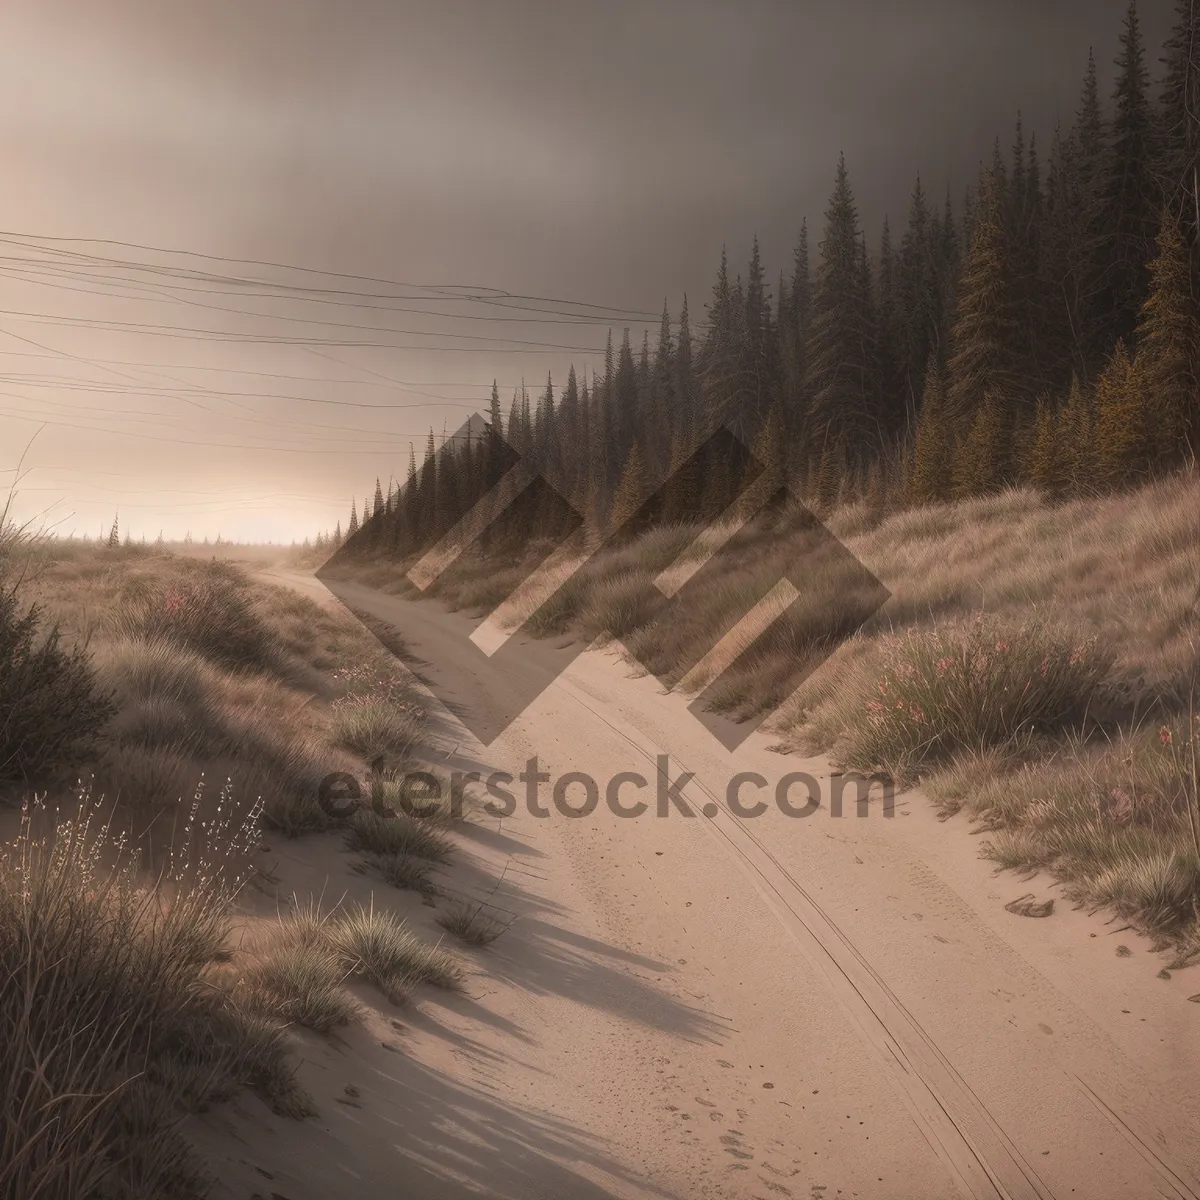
(598, 154)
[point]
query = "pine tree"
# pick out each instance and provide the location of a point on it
(719, 360)
(687, 385)
(829, 474)
(979, 457)
(1129, 194)
(769, 452)
(844, 385)
(631, 492)
(929, 479)
(893, 407)
(114, 536)
(1075, 443)
(755, 391)
(1167, 366)
(352, 527)
(495, 421)
(1177, 158)
(1043, 469)
(986, 329)
(1123, 434)
(795, 335)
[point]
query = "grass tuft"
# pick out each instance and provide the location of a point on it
(369, 833)
(470, 924)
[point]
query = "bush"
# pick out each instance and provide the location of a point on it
(970, 687)
(51, 708)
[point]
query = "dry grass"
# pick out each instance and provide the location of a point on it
(1026, 648)
(113, 1022)
(471, 925)
(212, 671)
(369, 833)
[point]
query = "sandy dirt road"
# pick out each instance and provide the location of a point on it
(715, 1006)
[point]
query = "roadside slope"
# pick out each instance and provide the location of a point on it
(711, 1006)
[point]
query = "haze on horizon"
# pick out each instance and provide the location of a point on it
(597, 156)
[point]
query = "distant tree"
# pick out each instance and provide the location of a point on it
(114, 536)
(631, 490)
(1130, 193)
(1167, 366)
(841, 352)
(987, 330)
(1178, 144)
(352, 527)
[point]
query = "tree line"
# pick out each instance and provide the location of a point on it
(1044, 330)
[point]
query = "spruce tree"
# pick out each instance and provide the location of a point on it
(1130, 204)
(1177, 158)
(495, 421)
(769, 452)
(1075, 442)
(687, 386)
(918, 314)
(929, 479)
(631, 490)
(795, 345)
(1123, 433)
(719, 360)
(979, 458)
(1043, 470)
(844, 388)
(987, 329)
(1167, 366)
(893, 407)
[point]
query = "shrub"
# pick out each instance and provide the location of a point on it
(970, 687)
(51, 708)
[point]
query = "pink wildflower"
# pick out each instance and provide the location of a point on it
(1001, 645)
(943, 664)
(1164, 736)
